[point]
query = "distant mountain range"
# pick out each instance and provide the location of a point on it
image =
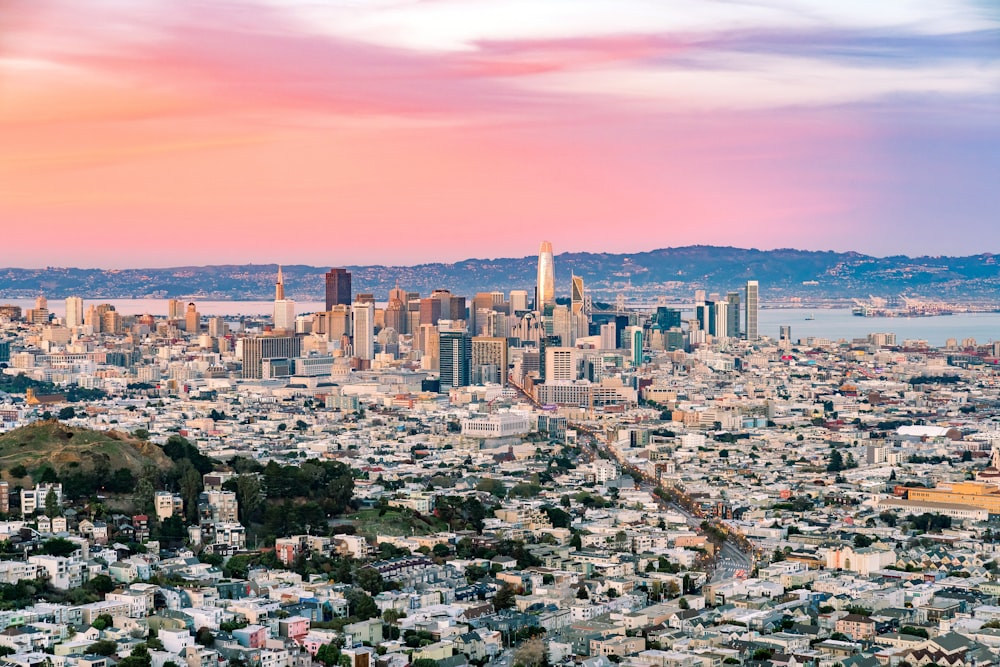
(670, 272)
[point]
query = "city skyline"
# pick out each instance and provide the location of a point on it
(846, 127)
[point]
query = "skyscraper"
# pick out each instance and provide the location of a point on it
(284, 309)
(489, 354)
(546, 293)
(753, 290)
(455, 353)
(579, 324)
(364, 330)
(192, 319)
(279, 286)
(733, 316)
(74, 311)
(338, 288)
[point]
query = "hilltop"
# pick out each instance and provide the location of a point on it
(70, 449)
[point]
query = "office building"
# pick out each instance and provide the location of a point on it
(518, 300)
(560, 364)
(721, 329)
(338, 288)
(364, 330)
(489, 352)
(733, 329)
(175, 310)
(74, 311)
(609, 336)
(454, 354)
(192, 319)
(635, 340)
(752, 306)
(546, 289)
(257, 349)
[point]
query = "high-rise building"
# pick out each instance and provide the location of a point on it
(546, 289)
(733, 315)
(454, 354)
(518, 300)
(636, 344)
(560, 364)
(74, 311)
(279, 286)
(175, 310)
(338, 288)
(284, 309)
(721, 329)
(579, 323)
(753, 290)
(258, 349)
(609, 336)
(364, 330)
(490, 351)
(192, 319)
(217, 327)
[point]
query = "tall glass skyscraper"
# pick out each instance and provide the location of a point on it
(546, 294)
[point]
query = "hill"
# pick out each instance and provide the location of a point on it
(670, 272)
(69, 449)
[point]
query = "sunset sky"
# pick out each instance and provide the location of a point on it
(167, 132)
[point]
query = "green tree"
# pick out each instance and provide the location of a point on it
(52, 508)
(138, 658)
(504, 598)
(103, 647)
(492, 486)
(103, 622)
(204, 636)
(67, 413)
(835, 462)
(249, 495)
(370, 580)
(58, 546)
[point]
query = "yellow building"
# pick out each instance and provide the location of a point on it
(974, 494)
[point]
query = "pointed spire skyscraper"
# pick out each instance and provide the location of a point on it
(279, 287)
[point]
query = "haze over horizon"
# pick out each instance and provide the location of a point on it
(430, 261)
(400, 132)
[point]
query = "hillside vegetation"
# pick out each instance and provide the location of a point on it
(67, 450)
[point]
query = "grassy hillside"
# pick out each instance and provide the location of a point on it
(70, 449)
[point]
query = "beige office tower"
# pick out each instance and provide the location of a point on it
(562, 325)
(93, 319)
(339, 323)
(395, 313)
(364, 329)
(192, 319)
(284, 309)
(546, 277)
(111, 322)
(497, 324)
(491, 352)
(217, 327)
(175, 309)
(429, 342)
(74, 311)
(560, 364)
(518, 300)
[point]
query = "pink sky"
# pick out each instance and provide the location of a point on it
(173, 132)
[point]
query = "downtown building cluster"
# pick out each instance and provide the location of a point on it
(527, 476)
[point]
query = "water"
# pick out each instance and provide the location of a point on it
(838, 323)
(832, 323)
